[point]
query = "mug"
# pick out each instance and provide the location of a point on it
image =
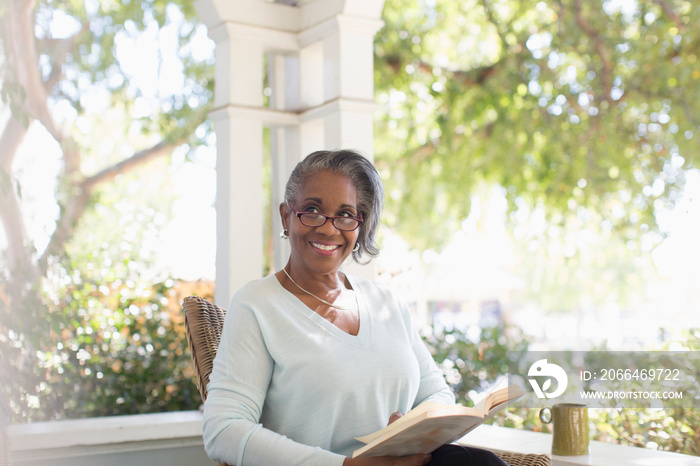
(570, 420)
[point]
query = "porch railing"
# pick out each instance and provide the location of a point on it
(175, 439)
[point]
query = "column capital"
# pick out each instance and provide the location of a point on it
(270, 39)
(271, 15)
(318, 11)
(341, 105)
(339, 24)
(288, 15)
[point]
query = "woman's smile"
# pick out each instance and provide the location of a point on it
(325, 249)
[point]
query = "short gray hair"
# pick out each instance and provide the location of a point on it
(370, 190)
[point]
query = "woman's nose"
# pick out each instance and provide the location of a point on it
(328, 228)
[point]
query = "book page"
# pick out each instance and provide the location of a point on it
(424, 435)
(484, 403)
(499, 396)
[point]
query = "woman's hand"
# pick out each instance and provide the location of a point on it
(414, 460)
(395, 416)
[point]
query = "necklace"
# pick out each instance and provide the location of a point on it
(311, 294)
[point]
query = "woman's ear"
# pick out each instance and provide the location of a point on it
(284, 211)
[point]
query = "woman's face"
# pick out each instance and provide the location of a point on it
(324, 248)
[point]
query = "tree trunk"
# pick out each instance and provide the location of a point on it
(25, 269)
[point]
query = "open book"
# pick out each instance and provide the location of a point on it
(430, 425)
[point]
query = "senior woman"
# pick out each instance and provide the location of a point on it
(312, 357)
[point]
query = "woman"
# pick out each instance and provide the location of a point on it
(311, 357)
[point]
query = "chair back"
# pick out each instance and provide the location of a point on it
(524, 459)
(204, 322)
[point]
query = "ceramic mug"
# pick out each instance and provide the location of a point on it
(570, 421)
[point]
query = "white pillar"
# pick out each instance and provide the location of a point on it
(283, 78)
(239, 224)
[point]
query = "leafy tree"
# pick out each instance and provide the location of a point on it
(60, 60)
(576, 106)
(112, 340)
(69, 68)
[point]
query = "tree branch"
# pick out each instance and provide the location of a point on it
(477, 76)
(592, 33)
(139, 158)
(18, 252)
(74, 207)
(473, 77)
(668, 9)
(11, 138)
(58, 49)
(494, 22)
(23, 58)
(71, 212)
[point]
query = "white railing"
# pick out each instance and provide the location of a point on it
(175, 439)
(601, 454)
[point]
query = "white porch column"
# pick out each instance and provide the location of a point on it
(340, 110)
(239, 219)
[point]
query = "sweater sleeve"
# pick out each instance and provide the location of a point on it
(236, 395)
(432, 382)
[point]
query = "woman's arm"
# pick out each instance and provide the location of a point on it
(432, 381)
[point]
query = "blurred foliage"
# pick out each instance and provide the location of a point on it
(581, 267)
(575, 106)
(113, 340)
(127, 355)
(87, 325)
(88, 47)
(70, 73)
(470, 365)
(109, 348)
(672, 429)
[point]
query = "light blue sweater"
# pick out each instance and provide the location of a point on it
(290, 388)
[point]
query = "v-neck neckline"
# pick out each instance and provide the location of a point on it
(363, 332)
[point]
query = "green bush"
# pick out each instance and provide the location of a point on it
(104, 350)
(469, 365)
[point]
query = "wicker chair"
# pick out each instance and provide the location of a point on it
(204, 322)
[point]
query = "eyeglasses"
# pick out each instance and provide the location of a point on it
(314, 219)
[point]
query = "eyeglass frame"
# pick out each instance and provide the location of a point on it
(360, 220)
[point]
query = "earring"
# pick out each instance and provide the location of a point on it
(357, 247)
(284, 234)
